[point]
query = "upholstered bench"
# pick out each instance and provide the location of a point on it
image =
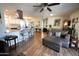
(53, 43)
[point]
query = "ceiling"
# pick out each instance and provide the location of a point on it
(29, 10)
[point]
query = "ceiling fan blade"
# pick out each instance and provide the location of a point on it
(52, 4)
(41, 10)
(37, 6)
(49, 9)
(40, 5)
(45, 4)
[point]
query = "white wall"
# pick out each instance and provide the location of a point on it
(75, 15)
(2, 23)
(52, 19)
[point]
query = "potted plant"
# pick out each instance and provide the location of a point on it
(50, 26)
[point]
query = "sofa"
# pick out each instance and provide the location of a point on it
(57, 38)
(63, 35)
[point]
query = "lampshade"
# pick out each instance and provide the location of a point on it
(65, 24)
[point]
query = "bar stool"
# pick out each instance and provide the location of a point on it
(9, 38)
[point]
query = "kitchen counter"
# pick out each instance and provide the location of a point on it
(22, 34)
(17, 33)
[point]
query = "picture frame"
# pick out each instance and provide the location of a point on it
(57, 22)
(75, 20)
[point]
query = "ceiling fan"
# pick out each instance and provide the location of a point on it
(43, 5)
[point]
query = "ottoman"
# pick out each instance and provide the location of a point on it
(52, 43)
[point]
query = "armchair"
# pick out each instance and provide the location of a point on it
(3, 48)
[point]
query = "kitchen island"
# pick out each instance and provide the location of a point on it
(23, 35)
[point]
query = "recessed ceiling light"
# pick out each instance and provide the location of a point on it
(51, 14)
(29, 17)
(6, 10)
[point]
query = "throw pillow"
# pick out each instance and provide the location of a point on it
(63, 35)
(58, 34)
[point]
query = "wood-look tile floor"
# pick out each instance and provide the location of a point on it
(34, 47)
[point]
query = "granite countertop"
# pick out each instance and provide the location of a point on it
(13, 30)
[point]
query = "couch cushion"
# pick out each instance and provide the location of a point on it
(50, 34)
(54, 39)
